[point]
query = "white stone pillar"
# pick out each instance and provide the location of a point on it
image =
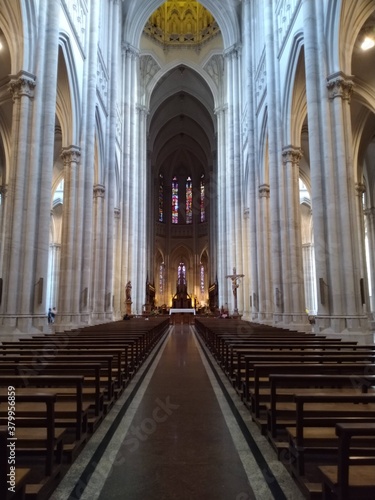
(112, 229)
(360, 189)
(294, 313)
(22, 88)
(274, 150)
(349, 301)
(222, 207)
(84, 225)
(370, 226)
(317, 129)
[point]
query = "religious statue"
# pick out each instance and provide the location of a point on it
(236, 280)
(128, 289)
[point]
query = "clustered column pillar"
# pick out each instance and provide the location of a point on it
(346, 296)
(294, 306)
(22, 88)
(71, 157)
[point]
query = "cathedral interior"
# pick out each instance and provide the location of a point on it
(175, 163)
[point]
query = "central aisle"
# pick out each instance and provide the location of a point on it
(176, 433)
(178, 445)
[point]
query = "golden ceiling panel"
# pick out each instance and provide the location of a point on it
(181, 23)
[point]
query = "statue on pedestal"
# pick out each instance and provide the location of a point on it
(128, 298)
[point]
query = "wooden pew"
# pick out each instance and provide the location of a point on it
(71, 413)
(283, 388)
(38, 438)
(316, 418)
(354, 476)
(257, 387)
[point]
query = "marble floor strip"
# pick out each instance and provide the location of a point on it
(178, 432)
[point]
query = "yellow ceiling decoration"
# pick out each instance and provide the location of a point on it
(181, 23)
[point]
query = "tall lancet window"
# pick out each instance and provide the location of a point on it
(189, 201)
(181, 274)
(202, 279)
(202, 200)
(174, 201)
(161, 198)
(162, 278)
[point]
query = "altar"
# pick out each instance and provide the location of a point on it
(181, 315)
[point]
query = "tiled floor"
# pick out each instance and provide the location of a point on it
(178, 433)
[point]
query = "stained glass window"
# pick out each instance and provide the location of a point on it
(202, 279)
(161, 198)
(174, 201)
(161, 278)
(189, 201)
(181, 274)
(202, 200)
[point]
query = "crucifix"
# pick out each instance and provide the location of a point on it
(236, 280)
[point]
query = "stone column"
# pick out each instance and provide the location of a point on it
(295, 307)
(3, 211)
(274, 149)
(71, 157)
(130, 56)
(54, 266)
(117, 264)
(347, 298)
(370, 226)
(318, 129)
(222, 207)
(22, 88)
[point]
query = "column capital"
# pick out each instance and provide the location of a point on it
(292, 154)
(142, 109)
(233, 51)
(360, 188)
(264, 191)
(71, 154)
(99, 191)
(221, 109)
(129, 50)
(22, 84)
(246, 213)
(340, 85)
(117, 213)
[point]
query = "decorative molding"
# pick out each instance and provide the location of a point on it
(22, 84)
(260, 80)
(246, 213)
(285, 14)
(148, 68)
(369, 212)
(215, 68)
(117, 213)
(340, 85)
(76, 11)
(102, 80)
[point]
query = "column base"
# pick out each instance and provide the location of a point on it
(13, 326)
(352, 328)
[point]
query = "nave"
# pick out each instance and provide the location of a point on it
(180, 432)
